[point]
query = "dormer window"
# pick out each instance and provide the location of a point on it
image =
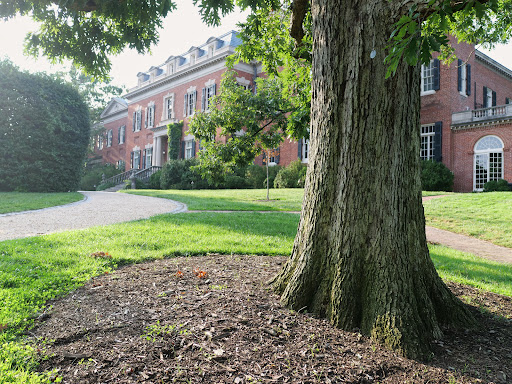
(192, 59)
(171, 69)
(210, 51)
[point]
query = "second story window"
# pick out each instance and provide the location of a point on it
(489, 98)
(100, 142)
(109, 138)
(137, 120)
(464, 78)
(169, 107)
(190, 103)
(430, 77)
(208, 92)
(150, 116)
(121, 133)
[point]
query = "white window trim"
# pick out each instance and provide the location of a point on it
(191, 108)
(165, 109)
(110, 136)
(430, 148)
(122, 130)
(151, 114)
(463, 80)
(431, 91)
(243, 82)
(487, 152)
(189, 146)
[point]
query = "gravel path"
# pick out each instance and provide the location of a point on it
(102, 208)
(98, 208)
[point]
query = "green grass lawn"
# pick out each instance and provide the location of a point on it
(36, 269)
(487, 216)
(232, 199)
(21, 201)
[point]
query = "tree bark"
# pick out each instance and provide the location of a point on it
(360, 257)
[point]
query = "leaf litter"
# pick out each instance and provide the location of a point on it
(216, 321)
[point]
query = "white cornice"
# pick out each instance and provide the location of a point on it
(493, 64)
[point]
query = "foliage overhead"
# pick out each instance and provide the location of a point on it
(44, 126)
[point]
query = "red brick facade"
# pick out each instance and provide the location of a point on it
(448, 111)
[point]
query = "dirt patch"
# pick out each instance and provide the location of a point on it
(146, 324)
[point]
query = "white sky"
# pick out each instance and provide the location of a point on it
(182, 29)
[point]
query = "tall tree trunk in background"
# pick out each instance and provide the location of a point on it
(360, 257)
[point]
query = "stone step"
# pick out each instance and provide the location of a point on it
(115, 188)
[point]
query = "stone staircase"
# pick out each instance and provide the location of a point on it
(119, 180)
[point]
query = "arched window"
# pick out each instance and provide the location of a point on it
(488, 162)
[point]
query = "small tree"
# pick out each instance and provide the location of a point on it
(246, 124)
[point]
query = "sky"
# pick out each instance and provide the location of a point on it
(181, 30)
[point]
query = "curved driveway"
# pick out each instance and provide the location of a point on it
(98, 208)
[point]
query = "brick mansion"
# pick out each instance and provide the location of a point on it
(466, 112)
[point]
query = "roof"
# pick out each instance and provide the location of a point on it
(493, 64)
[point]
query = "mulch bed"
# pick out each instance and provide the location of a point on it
(144, 324)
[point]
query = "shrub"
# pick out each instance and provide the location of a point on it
(154, 180)
(177, 174)
(93, 175)
(139, 184)
(256, 176)
(496, 186)
(435, 176)
(292, 176)
(104, 186)
(44, 126)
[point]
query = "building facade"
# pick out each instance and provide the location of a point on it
(466, 112)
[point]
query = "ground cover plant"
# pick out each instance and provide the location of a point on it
(487, 216)
(26, 201)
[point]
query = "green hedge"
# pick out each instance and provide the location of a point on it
(435, 176)
(44, 128)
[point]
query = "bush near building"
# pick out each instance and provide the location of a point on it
(435, 176)
(497, 186)
(292, 176)
(44, 126)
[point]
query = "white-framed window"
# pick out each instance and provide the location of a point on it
(147, 157)
(190, 102)
(110, 135)
(430, 77)
(189, 149)
(305, 150)
(137, 120)
(100, 142)
(192, 59)
(120, 164)
(136, 159)
(121, 134)
(427, 142)
(210, 51)
(171, 69)
(488, 161)
(273, 156)
(150, 115)
(489, 97)
(208, 92)
(464, 78)
(168, 107)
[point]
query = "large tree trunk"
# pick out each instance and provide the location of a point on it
(360, 257)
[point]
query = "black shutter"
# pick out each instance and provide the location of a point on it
(195, 148)
(214, 88)
(437, 75)
(299, 149)
(119, 135)
(203, 100)
(493, 98)
(195, 101)
(146, 115)
(277, 158)
(182, 149)
(485, 98)
(507, 100)
(264, 158)
(468, 79)
(134, 120)
(144, 159)
(438, 141)
(131, 160)
(185, 105)
(459, 75)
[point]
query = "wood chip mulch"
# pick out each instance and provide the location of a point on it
(147, 323)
